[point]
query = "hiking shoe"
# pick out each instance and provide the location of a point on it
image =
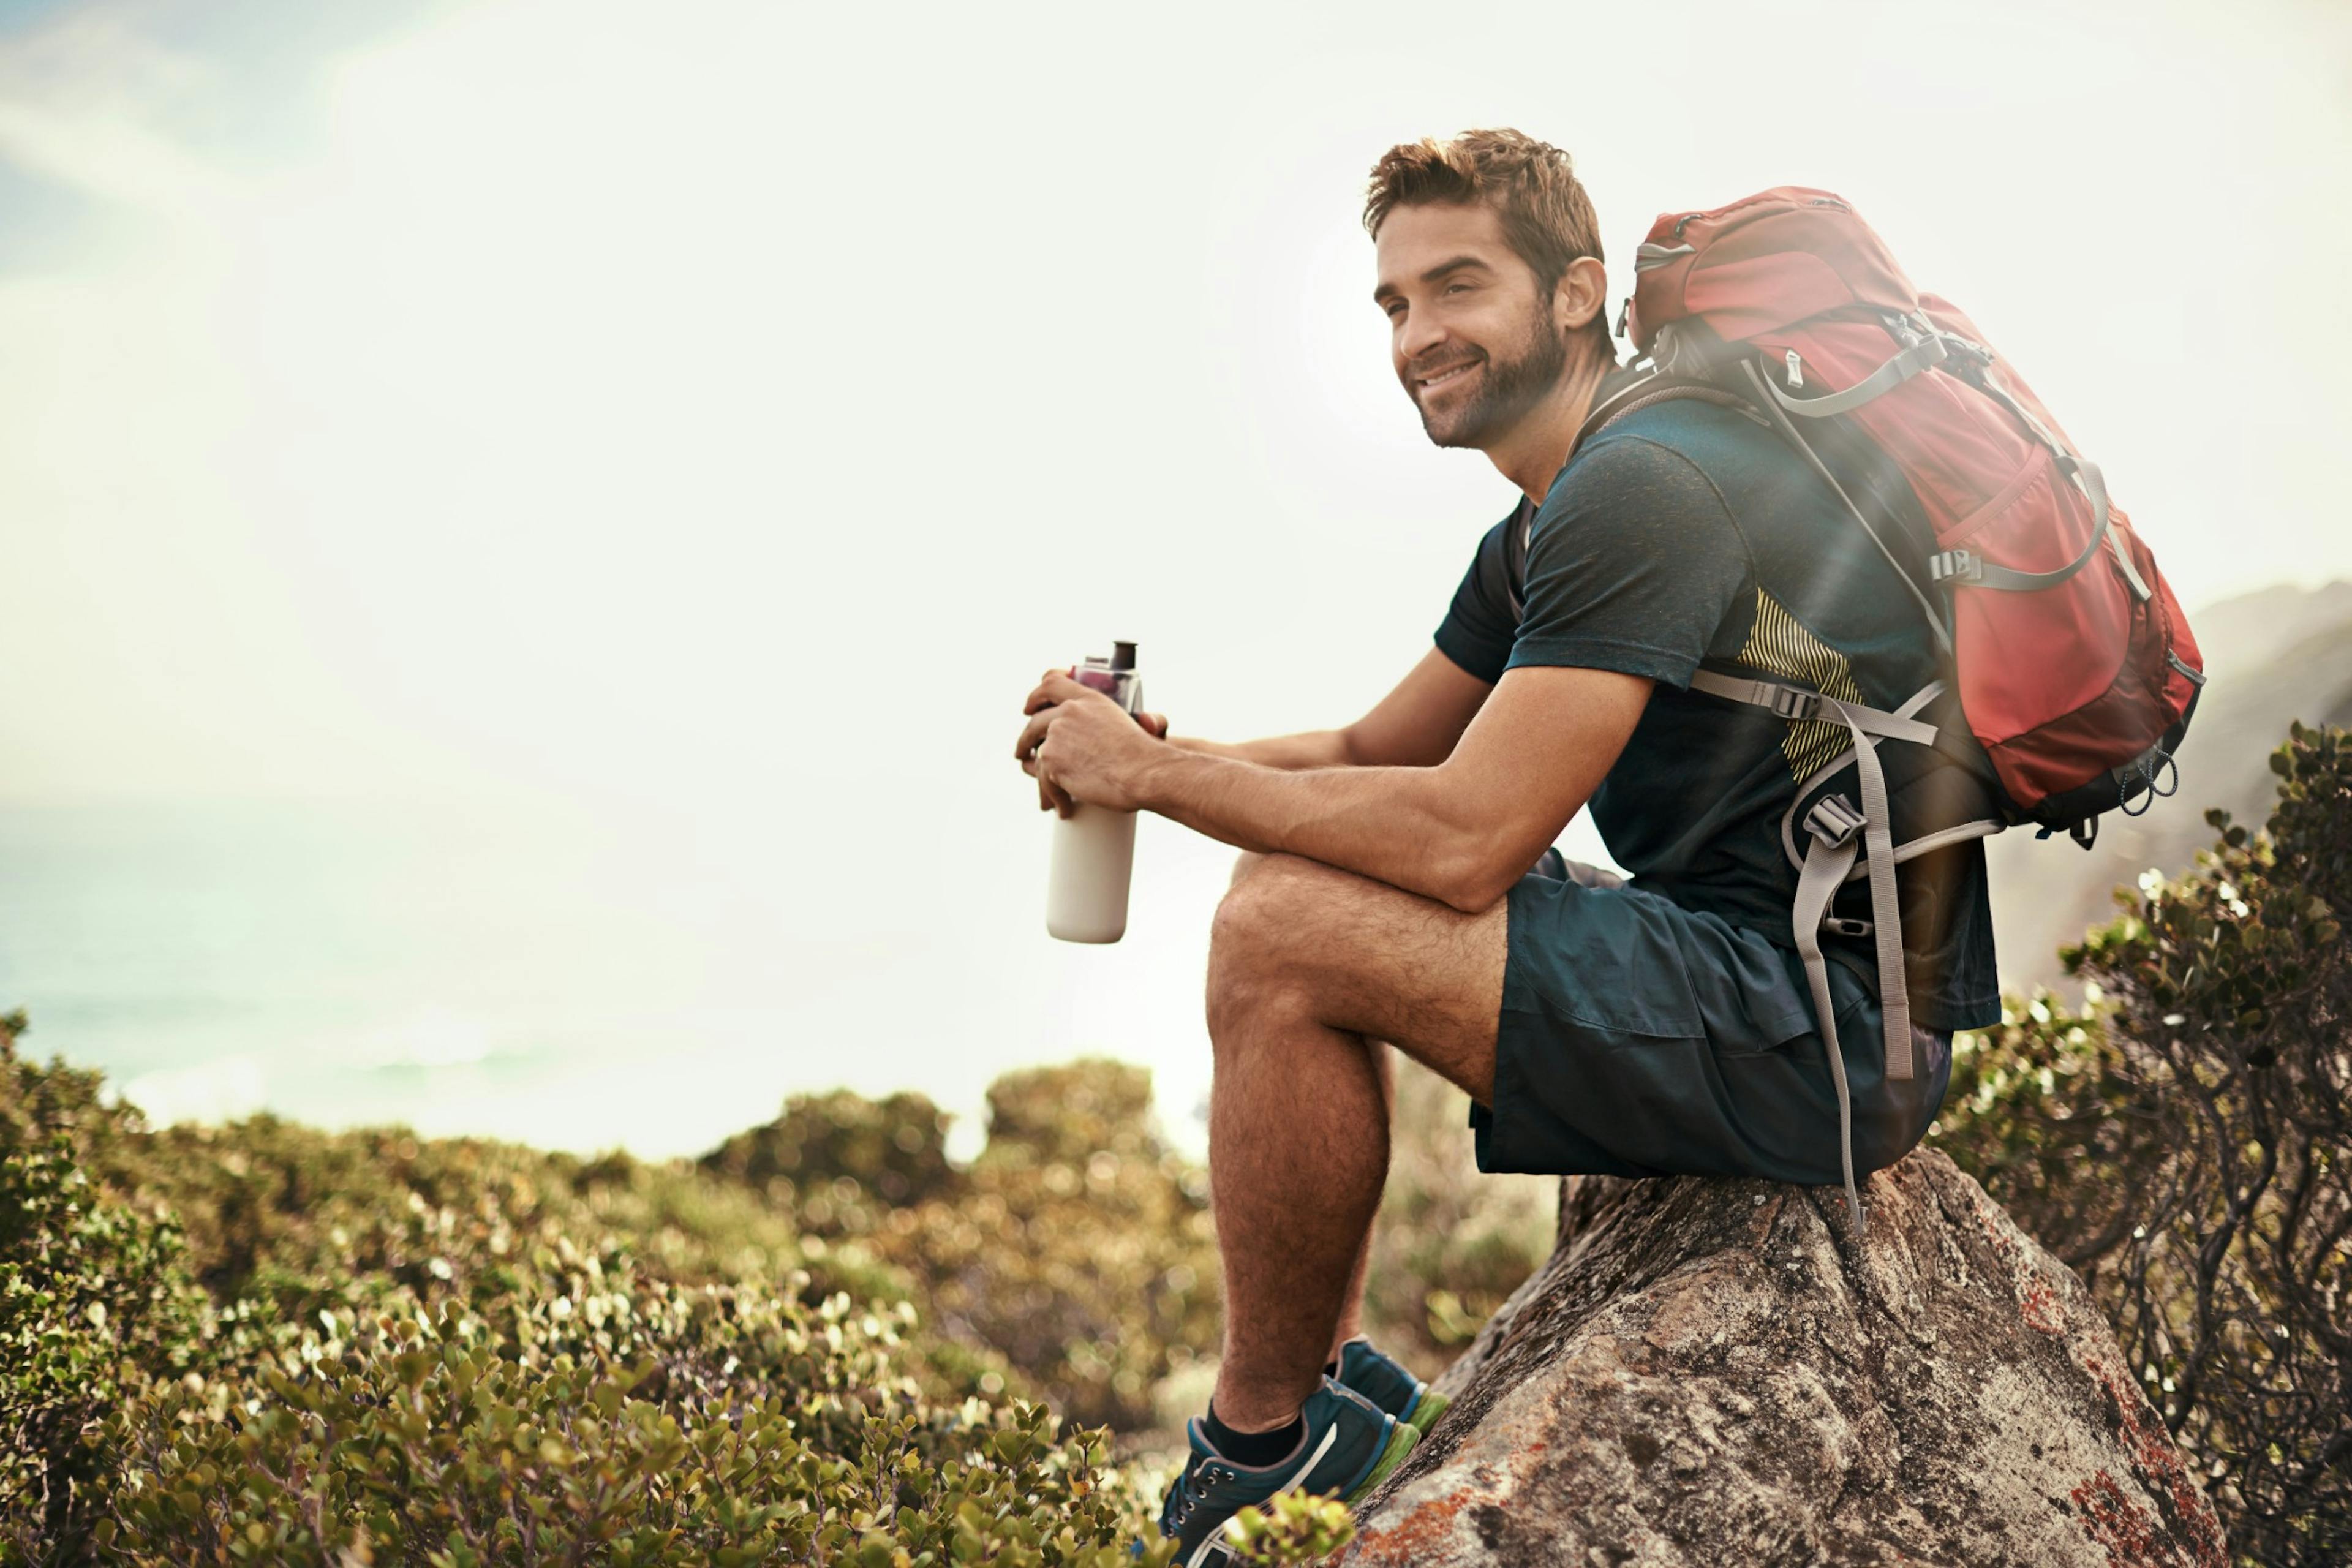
(1387, 1384)
(1350, 1447)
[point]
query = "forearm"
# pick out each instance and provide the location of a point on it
(1315, 749)
(1400, 825)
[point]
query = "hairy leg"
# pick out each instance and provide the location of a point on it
(1352, 1305)
(1309, 968)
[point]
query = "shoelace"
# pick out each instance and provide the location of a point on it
(1184, 1497)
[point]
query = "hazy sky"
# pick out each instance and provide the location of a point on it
(708, 418)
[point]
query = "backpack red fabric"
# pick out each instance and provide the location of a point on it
(2076, 667)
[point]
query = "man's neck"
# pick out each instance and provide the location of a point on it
(1532, 453)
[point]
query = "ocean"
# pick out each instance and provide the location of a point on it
(565, 979)
(588, 978)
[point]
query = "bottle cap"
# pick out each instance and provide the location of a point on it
(1122, 655)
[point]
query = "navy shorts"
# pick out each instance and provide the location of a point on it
(1641, 1038)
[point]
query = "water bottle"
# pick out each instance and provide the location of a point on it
(1094, 846)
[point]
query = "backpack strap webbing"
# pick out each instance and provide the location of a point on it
(1840, 836)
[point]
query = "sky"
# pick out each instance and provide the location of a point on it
(699, 424)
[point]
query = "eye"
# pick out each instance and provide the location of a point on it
(1457, 287)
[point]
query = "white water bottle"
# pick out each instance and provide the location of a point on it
(1094, 846)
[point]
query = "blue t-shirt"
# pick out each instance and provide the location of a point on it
(1686, 534)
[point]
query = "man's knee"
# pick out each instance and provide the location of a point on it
(1262, 903)
(1248, 863)
(1259, 921)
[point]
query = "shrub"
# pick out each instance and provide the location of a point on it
(264, 1342)
(1450, 1245)
(457, 1351)
(1294, 1526)
(1080, 1248)
(94, 1307)
(894, 1149)
(2186, 1144)
(1070, 1113)
(601, 1417)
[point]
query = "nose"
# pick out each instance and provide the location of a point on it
(1421, 331)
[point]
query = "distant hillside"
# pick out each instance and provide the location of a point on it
(2275, 655)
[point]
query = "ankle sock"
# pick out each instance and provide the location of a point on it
(1254, 1449)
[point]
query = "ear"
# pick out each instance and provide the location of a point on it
(1580, 294)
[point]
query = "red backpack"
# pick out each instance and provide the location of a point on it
(2072, 661)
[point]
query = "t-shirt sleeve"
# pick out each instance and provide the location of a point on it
(1634, 563)
(1479, 625)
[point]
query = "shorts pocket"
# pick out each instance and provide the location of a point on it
(1608, 958)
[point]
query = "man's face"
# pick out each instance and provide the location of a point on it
(1472, 338)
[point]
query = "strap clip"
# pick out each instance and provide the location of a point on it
(1795, 704)
(1834, 820)
(1956, 566)
(1837, 925)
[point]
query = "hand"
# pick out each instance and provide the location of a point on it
(1083, 748)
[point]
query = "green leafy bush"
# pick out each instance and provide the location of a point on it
(1293, 1528)
(94, 1308)
(1451, 1245)
(1077, 1246)
(1082, 1249)
(893, 1149)
(606, 1419)
(367, 1347)
(2186, 1142)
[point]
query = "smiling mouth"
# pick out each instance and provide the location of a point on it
(1445, 377)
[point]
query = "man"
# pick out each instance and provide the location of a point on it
(1660, 1028)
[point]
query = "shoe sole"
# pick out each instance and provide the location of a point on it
(1426, 1410)
(1402, 1439)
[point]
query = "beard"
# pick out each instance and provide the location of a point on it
(1508, 386)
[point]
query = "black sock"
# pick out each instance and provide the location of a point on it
(1254, 1449)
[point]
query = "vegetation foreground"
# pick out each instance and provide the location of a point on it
(825, 1343)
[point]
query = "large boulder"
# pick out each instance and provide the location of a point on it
(1714, 1373)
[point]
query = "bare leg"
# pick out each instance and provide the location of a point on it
(1352, 1305)
(1298, 1154)
(1308, 967)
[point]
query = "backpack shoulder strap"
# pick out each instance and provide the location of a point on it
(1654, 387)
(1640, 392)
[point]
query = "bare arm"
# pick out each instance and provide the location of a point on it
(1462, 831)
(1414, 726)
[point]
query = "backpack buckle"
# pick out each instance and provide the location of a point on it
(1955, 566)
(1795, 704)
(1834, 820)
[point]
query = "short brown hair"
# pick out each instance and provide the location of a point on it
(1532, 186)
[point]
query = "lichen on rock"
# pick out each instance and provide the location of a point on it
(1719, 1372)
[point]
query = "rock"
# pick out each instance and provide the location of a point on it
(1713, 1372)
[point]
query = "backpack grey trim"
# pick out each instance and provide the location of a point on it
(1921, 355)
(1845, 845)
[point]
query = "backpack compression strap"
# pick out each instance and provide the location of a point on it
(1834, 822)
(1839, 834)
